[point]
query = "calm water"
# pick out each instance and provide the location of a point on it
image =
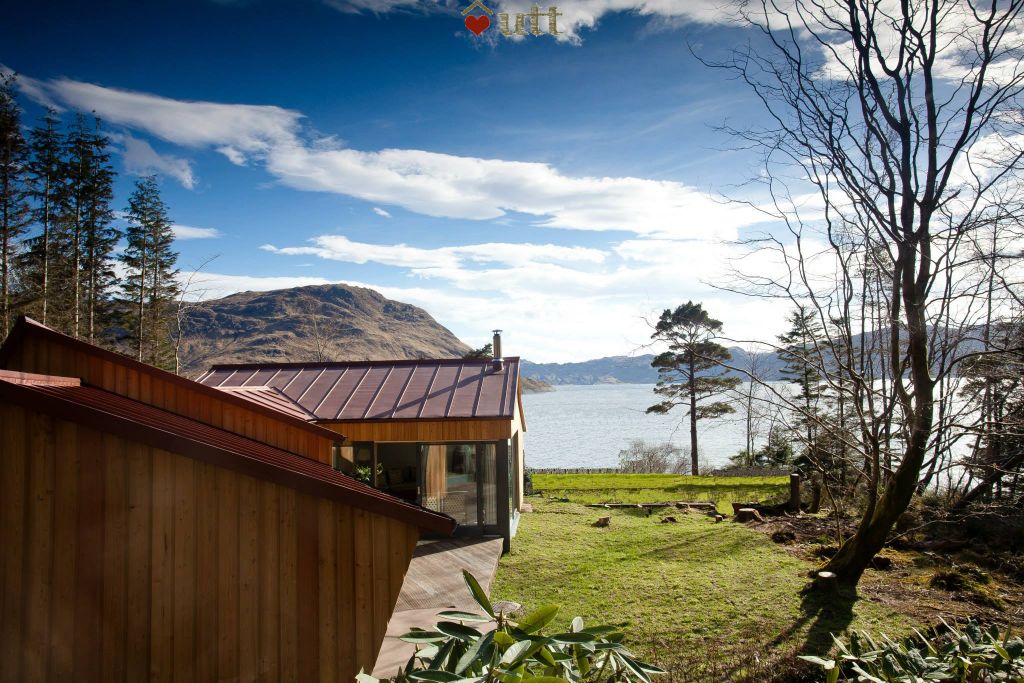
(587, 426)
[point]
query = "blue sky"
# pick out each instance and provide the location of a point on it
(564, 190)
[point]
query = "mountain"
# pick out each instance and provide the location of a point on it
(346, 323)
(634, 369)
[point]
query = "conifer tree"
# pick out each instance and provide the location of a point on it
(45, 175)
(799, 352)
(14, 209)
(150, 284)
(683, 370)
(100, 236)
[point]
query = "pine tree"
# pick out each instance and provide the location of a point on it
(683, 370)
(800, 344)
(14, 208)
(99, 236)
(150, 284)
(45, 174)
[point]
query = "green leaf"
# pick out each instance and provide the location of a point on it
(478, 593)
(457, 630)
(544, 679)
(516, 652)
(479, 650)
(634, 667)
(503, 639)
(456, 615)
(538, 619)
(442, 655)
(418, 636)
(573, 638)
(432, 676)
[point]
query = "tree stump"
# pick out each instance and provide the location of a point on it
(744, 515)
(719, 518)
(669, 520)
(603, 521)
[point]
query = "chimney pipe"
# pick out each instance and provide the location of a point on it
(496, 345)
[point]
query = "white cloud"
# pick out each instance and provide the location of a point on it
(340, 248)
(236, 130)
(216, 285)
(429, 183)
(381, 212)
(449, 186)
(141, 159)
(188, 232)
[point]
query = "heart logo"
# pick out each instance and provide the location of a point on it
(477, 24)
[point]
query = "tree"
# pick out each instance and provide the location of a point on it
(904, 121)
(683, 378)
(14, 209)
(485, 352)
(46, 191)
(150, 284)
(641, 457)
(89, 217)
(800, 352)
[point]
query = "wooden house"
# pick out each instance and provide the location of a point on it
(445, 434)
(154, 529)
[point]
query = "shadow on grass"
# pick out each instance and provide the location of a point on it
(828, 611)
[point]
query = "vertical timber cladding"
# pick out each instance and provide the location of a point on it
(49, 354)
(124, 562)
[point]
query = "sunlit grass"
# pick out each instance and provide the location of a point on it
(710, 601)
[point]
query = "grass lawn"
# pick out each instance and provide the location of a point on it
(654, 488)
(709, 602)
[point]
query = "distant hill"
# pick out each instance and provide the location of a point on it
(630, 369)
(351, 323)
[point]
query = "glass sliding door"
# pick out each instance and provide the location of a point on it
(488, 486)
(461, 480)
(451, 480)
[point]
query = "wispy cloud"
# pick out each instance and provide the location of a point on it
(141, 159)
(340, 248)
(188, 232)
(381, 212)
(429, 183)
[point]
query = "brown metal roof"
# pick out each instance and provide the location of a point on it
(27, 329)
(385, 390)
(109, 412)
(269, 397)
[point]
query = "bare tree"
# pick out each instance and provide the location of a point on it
(902, 121)
(190, 299)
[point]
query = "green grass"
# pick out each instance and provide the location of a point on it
(656, 488)
(710, 602)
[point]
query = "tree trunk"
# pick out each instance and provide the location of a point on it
(46, 246)
(911, 286)
(694, 460)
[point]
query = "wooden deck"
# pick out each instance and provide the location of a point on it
(434, 583)
(434, 579)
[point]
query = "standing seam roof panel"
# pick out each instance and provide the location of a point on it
(381, 390)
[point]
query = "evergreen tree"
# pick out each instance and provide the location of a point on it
(90, 234)
(800, 344)
(14, 209)
(683, 377)
(99, 236)
(150, 284)
(45, 174)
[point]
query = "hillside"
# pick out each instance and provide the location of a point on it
(345, 323)
(630, 369)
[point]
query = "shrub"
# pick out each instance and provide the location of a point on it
(641, 457)
(516, 651)
(973, 655)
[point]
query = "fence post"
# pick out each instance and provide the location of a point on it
(794, 492)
